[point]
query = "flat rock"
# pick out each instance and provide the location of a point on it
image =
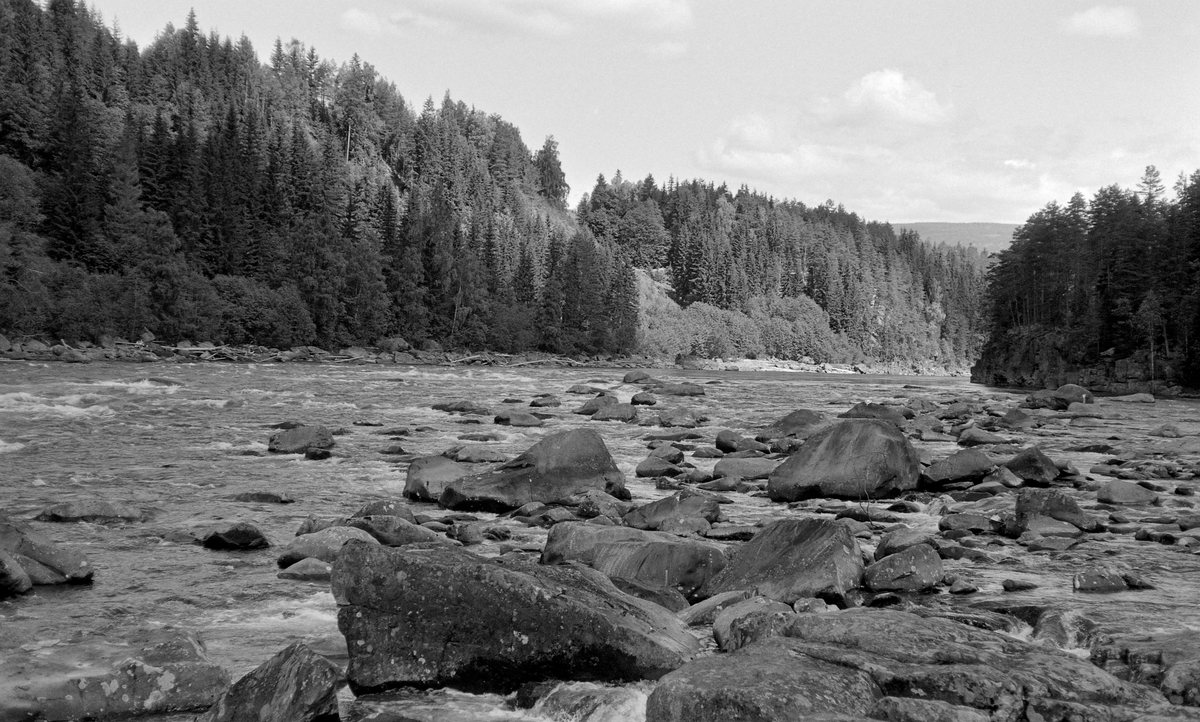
(394, 531)
(976, 436)
(769, 682)
(794, 558)
(308, 570)
(616, 412)
(682, 504)
(591, 406)
(91, 510)
(517, 418)
(1116, 491)
(466, 408)
(157, 671)
(264, 497)
(1133, 399)
(855, 459)
(745, 468)
(43, 561)
(445, 617)
(964, 465)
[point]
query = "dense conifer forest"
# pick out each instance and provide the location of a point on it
(1115, 277)
(190, 189)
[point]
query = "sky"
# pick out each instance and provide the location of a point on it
(927, 110)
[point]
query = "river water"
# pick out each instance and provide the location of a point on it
(178, 440)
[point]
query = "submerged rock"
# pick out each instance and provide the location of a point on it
(445, 617)
(239, 536)
(794, 558)
(296, 685)
(551, 471)
(855, 459)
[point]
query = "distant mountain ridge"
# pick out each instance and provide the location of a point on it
(989, 237)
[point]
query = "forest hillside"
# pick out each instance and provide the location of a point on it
(194, 190)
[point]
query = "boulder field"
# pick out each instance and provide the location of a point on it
(815, 566)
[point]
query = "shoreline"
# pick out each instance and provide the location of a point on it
(186, 352)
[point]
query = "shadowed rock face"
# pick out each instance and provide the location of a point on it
(296, 685)
(444, 617)
(792, 559)
(852, 459)
(551, 471)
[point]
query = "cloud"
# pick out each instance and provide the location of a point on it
(891, 150)
(546, 18)
(888, 96)
(360, 21)
(1103, 21)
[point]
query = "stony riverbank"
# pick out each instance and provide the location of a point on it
(915, 554)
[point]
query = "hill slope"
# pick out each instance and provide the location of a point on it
(988, 237)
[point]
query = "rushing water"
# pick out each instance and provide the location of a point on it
(179, 440)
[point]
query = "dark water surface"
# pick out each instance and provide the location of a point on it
(181, 451)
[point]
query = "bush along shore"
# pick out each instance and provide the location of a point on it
(398, 351)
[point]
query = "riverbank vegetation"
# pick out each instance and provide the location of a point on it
(1110, 278)
(189, 189)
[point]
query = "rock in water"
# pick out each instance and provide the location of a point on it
(445, 617)
(296, 685)
(917, 567)
(429, 476)
(1123, 492)
(655, 559)
(965, 465)
(854, 459)
(92, 510)
(1033, 466)
(13, 578)
(300, 439)
(562, 464)
(792, 559)
(799, 424)
(323, 544)
(152, 672)
(241, 535)
(680, 505)
(1050, 503)
(43, 561)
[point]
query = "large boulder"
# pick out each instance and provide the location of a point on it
(149, 672)
(429, 476)
(922, 658)
(792, 559)
(296, 685)
(43, 561)
(300, 439)
(444, 617)
(91, 510)
(799, 424)
(1116, 491)
(1075, 394)
(550, 472)
(653, 558)
(854, 459)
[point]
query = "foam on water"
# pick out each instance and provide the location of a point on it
(23, 403)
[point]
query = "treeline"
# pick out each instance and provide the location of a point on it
(1116, 276)
(779, 277)
(188, 189)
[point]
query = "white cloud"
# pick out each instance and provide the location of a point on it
(888, 96)
(547, 18)
(1103, 21)
(360, 21)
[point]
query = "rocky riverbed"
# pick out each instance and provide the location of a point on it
(702, 545)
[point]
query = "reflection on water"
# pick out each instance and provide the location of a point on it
(181, 451)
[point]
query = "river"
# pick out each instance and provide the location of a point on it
(178, 440)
